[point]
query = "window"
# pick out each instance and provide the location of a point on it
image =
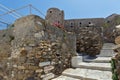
(108, 21)
(71, 25)
(87, 26)
(80, 24)
(89, 22)
(59, 13)
(50, 11)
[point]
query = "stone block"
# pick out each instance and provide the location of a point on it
(41, 64)
(48, 68)
(48, 76)
(38, 70)
(21, 67)
(39, 35)
(75, 60)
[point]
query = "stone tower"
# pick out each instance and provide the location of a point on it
(54, 15)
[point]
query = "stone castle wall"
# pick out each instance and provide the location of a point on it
(38, 51)
(72, 25)
(75, 24)
(105, 26)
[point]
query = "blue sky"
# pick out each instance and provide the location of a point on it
(72, 8)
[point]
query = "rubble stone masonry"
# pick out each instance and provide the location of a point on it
(38, 52)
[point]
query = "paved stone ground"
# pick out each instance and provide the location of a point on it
(98, 68)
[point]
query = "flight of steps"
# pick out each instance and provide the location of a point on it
(90, 68)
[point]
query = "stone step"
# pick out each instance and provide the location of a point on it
(107, 50)
(87, 74)
(106, 53)
(108, 46)
(98, 59)
(65, 78)
(94, 66)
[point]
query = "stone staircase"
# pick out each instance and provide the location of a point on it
(86, 68)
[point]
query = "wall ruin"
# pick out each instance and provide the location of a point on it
(38, 51)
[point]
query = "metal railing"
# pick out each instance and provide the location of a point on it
(15, 14)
